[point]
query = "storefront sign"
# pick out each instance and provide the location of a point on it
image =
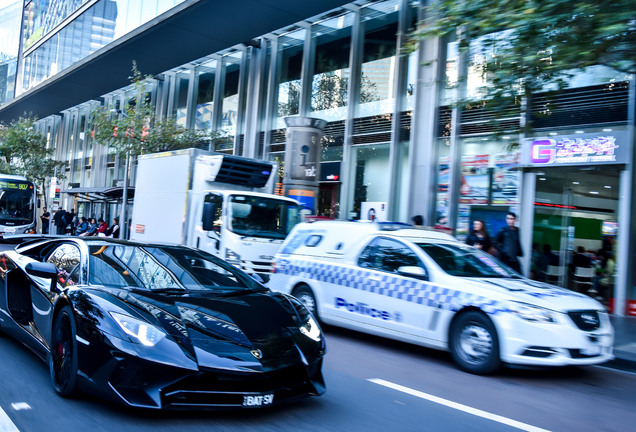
(583, 149)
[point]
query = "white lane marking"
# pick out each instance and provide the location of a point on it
(458, 406)
(6, 425)
(18, 406)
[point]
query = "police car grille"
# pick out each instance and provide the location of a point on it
(586, 320)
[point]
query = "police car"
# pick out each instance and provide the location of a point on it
(425, 287)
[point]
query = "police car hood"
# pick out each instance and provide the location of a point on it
(537, 293)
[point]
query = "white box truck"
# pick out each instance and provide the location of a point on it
(219, 203)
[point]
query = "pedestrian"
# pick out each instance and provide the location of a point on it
(418, 220)
(479, 236)
(92, 227)
(71, 220)
(60, 221)
(102, 226)
(45, 218)
(508, 244)
(82, 226)
(113, 230)
(580, 259)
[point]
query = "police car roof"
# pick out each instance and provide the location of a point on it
(397, 228)
(340, 236)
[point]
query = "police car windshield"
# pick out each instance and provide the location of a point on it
(461, 260)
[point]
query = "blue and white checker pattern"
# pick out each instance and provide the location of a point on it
(390, 285)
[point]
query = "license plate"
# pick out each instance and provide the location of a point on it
(9, 230)
(258, 400)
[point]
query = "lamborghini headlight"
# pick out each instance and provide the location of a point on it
(143, 332)
(311, 330)
(533, 313)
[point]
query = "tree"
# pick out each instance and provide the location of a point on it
(23, 152)
(137, 130)
(532, 46)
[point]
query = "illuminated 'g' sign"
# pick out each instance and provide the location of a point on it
(543, 151)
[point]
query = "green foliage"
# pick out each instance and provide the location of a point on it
(137, 129)
(23, 152)
(528, 46)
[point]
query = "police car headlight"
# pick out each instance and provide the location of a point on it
(232, 257)
(139, 330)
(311, 330)
(532, 313)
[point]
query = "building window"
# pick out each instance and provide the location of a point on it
(371, 179)
(330, 84)
(379, 60)
(230, 103)
(289, 75)
(205, 95)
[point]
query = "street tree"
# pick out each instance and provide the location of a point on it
(529, 46)
(137, 129)
(23, 151)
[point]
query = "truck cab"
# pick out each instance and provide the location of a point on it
(223, 204)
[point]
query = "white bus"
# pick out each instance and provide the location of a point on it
(18, 209)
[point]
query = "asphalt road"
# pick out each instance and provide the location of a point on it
(373, 385)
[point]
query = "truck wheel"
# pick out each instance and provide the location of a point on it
(473, 343)
(307, 298)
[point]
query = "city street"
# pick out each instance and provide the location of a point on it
(373, 385)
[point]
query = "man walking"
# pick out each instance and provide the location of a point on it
(60, 221)
(508, 244)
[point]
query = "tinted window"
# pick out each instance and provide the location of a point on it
(156, 268)
(66, 258)
(462, 260)
(387, 255)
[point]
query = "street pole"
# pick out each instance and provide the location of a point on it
(123, 230)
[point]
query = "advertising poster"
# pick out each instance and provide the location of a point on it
(463, 222)
(443, 183)
(475, 180)
(506, 179)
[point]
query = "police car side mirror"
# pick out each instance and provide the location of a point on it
(413, 271)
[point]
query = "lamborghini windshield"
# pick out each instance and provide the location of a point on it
(163, 268)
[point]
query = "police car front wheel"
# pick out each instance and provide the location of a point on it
(307, 298)
(474, 344)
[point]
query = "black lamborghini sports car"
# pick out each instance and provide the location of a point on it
(157, 326)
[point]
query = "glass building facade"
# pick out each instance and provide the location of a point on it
(394, 138)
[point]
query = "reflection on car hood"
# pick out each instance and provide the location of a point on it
(542, 294)
(255, 330)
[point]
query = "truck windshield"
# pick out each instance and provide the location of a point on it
(262, 217)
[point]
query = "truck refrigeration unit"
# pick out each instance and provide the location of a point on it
(219, 203)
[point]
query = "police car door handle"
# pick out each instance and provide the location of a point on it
(373, 279)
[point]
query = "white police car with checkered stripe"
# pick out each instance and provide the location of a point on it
(425, 287)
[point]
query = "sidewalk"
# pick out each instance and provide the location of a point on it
(624, 343)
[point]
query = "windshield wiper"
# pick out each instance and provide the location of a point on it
(243, 291)
(169, 290)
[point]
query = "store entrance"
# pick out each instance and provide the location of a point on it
(576, 212)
